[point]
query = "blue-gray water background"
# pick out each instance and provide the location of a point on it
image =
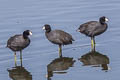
(19, 15)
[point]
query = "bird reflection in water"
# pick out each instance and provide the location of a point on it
(95, 59)
(59, 65)
(19, 73)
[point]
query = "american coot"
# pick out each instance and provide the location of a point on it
(58, 37)
(94, 28)
(19, 42)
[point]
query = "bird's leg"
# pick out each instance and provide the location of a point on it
(15, 59)
(60, 51)
(93, 43)
(21, 57)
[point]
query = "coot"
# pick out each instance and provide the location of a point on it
(94, 28)
(19, 42)
(58, 37)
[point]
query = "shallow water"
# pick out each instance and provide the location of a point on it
(17, 16)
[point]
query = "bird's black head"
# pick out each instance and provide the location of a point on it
(103, 19)
(26, 33)
(47, 27)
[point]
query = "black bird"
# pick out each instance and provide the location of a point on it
(58, 37)
(94, 28)
(19, 42)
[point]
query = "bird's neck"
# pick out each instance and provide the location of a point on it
(25, 36)
(102, 22)
(47, 31)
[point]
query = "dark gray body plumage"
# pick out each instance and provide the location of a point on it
(17, 43)
(93, 28)
(59, 37)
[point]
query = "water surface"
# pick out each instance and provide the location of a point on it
(17, 16)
